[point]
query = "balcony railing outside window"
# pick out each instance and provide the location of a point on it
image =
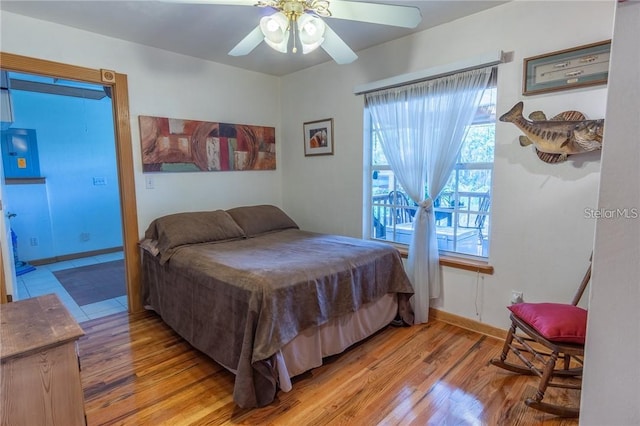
(461, 220)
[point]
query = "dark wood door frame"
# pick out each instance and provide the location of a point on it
(124, 154)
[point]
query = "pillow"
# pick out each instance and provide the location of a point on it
(150, 245)
(256, 220)
(557, 322)
(179, 229)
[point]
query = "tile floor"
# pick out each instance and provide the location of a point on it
(42, 281)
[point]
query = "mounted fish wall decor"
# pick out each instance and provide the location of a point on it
(568, 133)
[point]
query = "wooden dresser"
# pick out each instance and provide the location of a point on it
(40, 371)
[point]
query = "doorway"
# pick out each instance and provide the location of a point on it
(61, 193)
(119, 92)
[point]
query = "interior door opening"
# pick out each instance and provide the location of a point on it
(114, 84)
(62, 195)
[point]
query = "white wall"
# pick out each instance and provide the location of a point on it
(612, 375)
(168, 85)
(75, 143)
(540, 239)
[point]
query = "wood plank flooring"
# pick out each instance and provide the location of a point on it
(137, 371)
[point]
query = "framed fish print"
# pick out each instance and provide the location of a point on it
(581, 66)
(318, 137)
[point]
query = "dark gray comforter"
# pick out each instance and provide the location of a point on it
(241, 301)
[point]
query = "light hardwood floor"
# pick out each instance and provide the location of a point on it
(137, 371)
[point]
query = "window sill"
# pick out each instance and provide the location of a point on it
(459, 263)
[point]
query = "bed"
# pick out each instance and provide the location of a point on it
(265, 299)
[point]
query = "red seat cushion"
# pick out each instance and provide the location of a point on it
(556, 322)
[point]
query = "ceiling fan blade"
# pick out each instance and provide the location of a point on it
(398, 16)
(247, 44)
(337, 48)
(222, 2)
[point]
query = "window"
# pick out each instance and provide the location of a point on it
(463, 209)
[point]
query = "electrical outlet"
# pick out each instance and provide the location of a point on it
(516, 297)
(33, 241)
(85, 236)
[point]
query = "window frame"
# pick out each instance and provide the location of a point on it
(470, 261)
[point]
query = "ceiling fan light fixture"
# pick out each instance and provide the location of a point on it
(319, 7)
(275, 29)
(305, 17)
(311, 32)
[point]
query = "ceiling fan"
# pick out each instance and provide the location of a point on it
(305, 18)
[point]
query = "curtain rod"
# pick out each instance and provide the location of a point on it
(485, 60)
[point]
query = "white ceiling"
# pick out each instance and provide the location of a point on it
(209, 31)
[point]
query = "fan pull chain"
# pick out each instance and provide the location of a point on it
(292, 25)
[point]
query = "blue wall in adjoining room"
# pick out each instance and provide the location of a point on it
(69, 213)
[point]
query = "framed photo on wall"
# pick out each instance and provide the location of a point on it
(581, 66)
(318, 137)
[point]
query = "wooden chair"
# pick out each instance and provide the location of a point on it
(485, 202)
(547, 339)
(402, 208)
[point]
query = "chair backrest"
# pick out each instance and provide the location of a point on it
(402, 215)
(583, 285)
(485, 202)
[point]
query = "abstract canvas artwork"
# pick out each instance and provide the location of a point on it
(176, 145)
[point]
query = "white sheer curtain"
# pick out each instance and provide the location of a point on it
(421, 128)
